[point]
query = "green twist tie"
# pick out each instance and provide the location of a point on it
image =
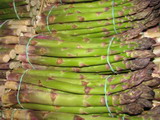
(106, 97)
(27, 54)
(15, 9)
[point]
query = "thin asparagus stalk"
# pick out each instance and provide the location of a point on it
(86, 110)
(91, 16)
(13, 16)
(82, 62)
(118, 66)
(71, 69)
(90, 4)
(9, 65)
(9, 3)
(60, 43)
(11, 10)
(81, 32)
(99, 8)
(21, 114)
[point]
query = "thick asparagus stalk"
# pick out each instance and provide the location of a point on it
(83, 89)
(83, 52)
(132, 108)
(91, 16)
(9, 3)
(81, 62)
(11, 10)
(21, 114)
(72, 44)
(118, 66)
(141, 91)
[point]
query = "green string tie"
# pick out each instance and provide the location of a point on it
(27, 47)
(19, 88)
(106, 97)
(15, 9)
(47, 19)
(108, 53)
(110, 43)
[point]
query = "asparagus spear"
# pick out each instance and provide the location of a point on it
(9, 3)
(133, 108)
(21, 114)
(100, 8)
(118, 66)
(91, 16)
(84, 52)
(83, 89)
(72, 44)
(90, 83)
(82, 62)
(25, 8)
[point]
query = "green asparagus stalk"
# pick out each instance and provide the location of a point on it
(141, 91)
(13, 16)
(99, 8)
(57, 99)
(81, 62)
(92, 16)
(133, 108)
(118, 66)
(11, 10)
(84, 52)
(90, 83)
(81, 32)
(90, 4)
(130, 45)
(21, 114)
(9, 3)
(82, 89)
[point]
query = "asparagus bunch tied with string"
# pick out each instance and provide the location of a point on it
(93, 22)
(20, 114)
(16, 28)
(125, 105)
(17, 9)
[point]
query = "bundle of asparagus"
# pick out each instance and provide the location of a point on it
(18, 9)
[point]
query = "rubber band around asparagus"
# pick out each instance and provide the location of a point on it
(27, 47)
(19, 88)
(15, 9)
(106, 98)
